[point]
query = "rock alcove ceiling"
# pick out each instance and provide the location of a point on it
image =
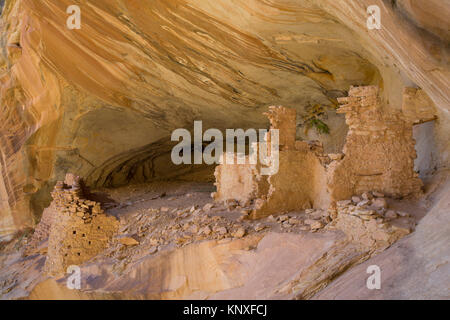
(109, 95)
(102, 101)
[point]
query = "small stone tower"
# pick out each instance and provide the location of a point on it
(80, 229)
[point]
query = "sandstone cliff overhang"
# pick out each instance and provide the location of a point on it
(102, 101)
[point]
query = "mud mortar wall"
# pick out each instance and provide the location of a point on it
(80, 229)
(379, 151)
(378, 156)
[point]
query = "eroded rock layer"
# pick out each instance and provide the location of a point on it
(101, 101)
(206, 251)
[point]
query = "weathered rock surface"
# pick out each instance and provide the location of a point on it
(192, 253)
(71, 97)
(416, 267)
(102, 102)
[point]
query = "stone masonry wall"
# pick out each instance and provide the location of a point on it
(81, 229)
(379, 150)
(378, 156)
(300, 182)
(284, 120)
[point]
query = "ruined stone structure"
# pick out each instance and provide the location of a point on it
(103, 103)
(379, 150)
(378, 156)
(300, 182)
(81, 229)
(56, 114)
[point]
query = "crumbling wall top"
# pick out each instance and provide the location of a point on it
(284, 120)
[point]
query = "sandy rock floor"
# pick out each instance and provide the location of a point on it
(158, 219)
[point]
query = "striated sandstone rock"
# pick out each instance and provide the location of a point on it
(136, 79)
(102, 101)
(228, 266)
(128, 241)
(416, 267)
(417, 107)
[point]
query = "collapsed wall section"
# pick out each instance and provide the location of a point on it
(284, 120)
(299, 183)
(242, 182)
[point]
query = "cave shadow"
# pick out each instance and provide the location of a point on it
(102, 197)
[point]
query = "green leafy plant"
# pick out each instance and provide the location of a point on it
(312, 119)
(320, 126)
